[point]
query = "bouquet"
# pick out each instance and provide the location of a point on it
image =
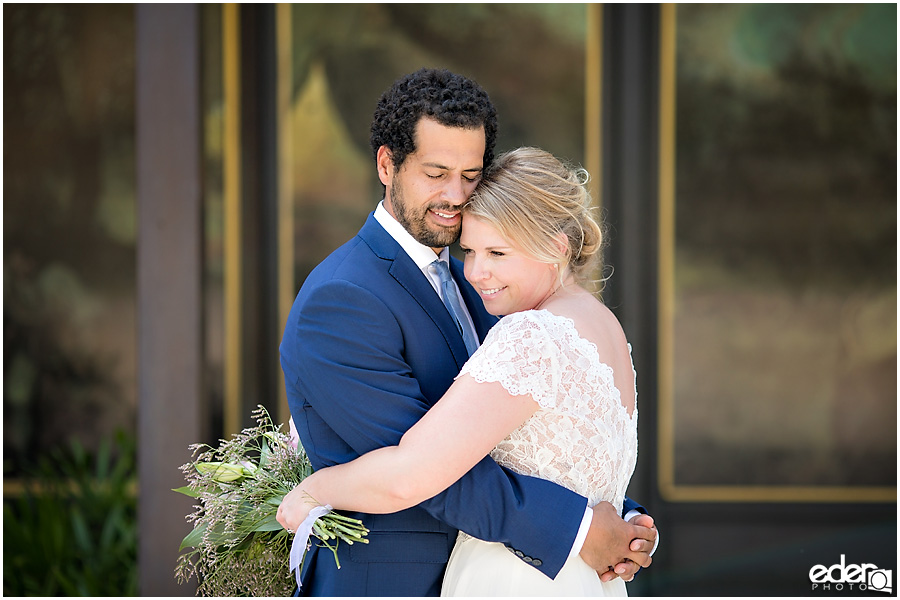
(237, 547)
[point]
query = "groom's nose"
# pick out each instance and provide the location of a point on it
(455, 191)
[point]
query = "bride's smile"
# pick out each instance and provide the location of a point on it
(491, 291)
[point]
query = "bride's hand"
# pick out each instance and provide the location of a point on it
(295, 507)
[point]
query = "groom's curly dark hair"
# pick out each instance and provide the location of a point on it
(450, 99)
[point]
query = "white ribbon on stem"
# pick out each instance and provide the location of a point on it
(301, 538)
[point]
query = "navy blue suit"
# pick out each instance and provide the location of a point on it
(368, 348)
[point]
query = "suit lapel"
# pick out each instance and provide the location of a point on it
(407, 274)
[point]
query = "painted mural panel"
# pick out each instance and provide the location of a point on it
(785, 356)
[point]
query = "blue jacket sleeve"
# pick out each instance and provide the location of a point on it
(631, 505)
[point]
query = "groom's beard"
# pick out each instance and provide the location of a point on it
(414, 221)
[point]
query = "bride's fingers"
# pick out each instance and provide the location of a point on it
(279, 516)
(640, 545)
(639, 552)
(292, 509)
(627, 570)
(641, 558)
(287, 514)
(630, 566)
(607, 576)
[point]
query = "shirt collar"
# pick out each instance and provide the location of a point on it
(421, 254)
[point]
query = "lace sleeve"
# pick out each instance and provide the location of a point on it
(522, 356)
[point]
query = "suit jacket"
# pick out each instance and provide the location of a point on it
(367, 349)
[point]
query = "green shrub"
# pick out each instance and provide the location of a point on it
(73, 532)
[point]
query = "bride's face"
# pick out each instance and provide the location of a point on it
(506, 278)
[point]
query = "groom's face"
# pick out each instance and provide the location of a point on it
(426, 193)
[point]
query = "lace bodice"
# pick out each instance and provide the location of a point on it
(582, 436)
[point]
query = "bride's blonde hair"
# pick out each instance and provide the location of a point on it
(532, 197)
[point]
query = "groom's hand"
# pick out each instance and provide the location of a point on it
(627, 570)
(612, 541)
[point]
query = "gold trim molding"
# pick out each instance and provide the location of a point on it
(231, 154)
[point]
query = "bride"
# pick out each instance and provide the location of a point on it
(550, 393)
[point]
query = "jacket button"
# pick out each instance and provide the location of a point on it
(537, 562)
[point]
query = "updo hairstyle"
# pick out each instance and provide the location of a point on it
(531, 197)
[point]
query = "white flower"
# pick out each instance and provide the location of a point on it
(295, 437)
(220, 471)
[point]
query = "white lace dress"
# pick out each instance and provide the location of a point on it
(581, 437)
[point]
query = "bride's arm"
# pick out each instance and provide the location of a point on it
(456, 433)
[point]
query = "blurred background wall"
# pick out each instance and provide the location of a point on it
(744, 157)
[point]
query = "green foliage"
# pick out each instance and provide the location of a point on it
(237, 547)
(73, 532)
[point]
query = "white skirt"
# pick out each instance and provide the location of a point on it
(478, 568)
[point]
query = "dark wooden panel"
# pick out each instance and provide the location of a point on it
(261, 370)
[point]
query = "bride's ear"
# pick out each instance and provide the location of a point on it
(562, 244)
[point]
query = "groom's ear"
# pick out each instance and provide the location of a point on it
(384, 163)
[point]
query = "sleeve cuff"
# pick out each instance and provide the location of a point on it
(582, 532)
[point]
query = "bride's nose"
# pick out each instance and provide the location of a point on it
(475, 268)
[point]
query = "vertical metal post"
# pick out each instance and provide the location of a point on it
(169, 257)
(630, 192)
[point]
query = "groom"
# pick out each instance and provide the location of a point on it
(369, 347)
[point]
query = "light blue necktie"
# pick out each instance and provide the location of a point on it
(454, 305)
